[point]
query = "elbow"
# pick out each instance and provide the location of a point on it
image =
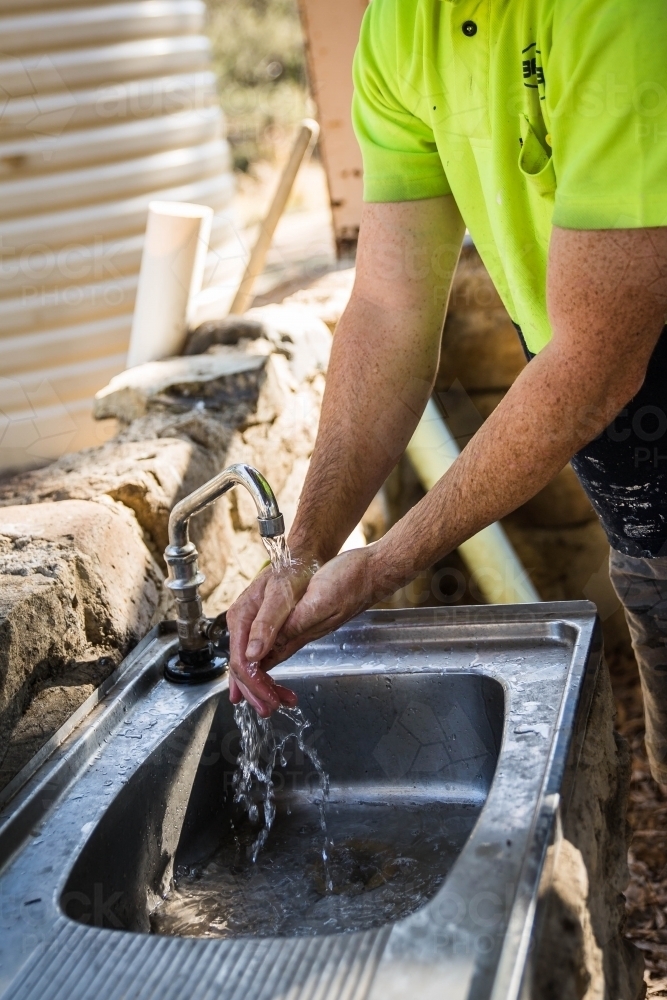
(626, 386)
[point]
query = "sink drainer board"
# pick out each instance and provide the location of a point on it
(463, 725)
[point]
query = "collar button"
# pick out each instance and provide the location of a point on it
(469, 28)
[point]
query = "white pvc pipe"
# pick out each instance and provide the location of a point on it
(495, 565)
(171, 274)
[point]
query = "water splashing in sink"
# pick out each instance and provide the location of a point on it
(261, 749)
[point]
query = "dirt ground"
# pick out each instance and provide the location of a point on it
(647, 893)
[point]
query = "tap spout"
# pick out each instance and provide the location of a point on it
(270, 519)
(197, 660)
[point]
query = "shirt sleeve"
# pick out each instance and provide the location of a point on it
(606, 91)
(400, 156)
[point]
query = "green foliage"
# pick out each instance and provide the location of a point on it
(259, 58)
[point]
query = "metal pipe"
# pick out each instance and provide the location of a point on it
(497, 569)
(270, 519)
(196, 660)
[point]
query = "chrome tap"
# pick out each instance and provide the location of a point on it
(197, 659)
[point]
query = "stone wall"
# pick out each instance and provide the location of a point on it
(82, 540)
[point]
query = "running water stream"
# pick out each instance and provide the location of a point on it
(261, 748)
(279, 553)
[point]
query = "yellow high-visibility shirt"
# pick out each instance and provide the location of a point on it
(531, 113)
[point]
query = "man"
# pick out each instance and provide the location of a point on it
(541, 125)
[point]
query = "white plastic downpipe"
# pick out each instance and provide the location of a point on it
(489, 555)
(171, 274)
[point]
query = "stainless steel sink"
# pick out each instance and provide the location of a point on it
(451, 738)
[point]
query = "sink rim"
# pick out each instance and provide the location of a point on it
(573, 624)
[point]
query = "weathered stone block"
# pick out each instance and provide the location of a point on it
(221, 381)
(146, 476)
(290, 328)
(77, 584)
(480, 346)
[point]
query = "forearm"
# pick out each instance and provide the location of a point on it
(370, 410)
(606, 319)
(542, 421)
(383, 365)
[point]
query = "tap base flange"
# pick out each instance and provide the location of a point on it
(184, 673)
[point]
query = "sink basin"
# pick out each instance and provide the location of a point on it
(403, 785)
(450, 737)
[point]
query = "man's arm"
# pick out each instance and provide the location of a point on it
(383, 365)
(381, 373)
(607, 296)
(608, 302)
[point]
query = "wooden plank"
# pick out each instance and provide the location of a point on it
(332, 32)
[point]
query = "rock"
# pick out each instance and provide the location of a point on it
(290, 328)
(297, 332)
(53, 701)
(480, 346)
(76, 583)
(116, 587)
(582, 954)
(561, 504)
(215, 381)
(146, 476)
(166, 454)
(227, 331)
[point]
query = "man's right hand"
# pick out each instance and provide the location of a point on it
(254, 621)
(383, 364)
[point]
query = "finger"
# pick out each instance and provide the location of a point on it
(240, 617)
(235, 695)
(247, 679)
(287, 697)
(279, 600)
(262, 687)
(282, 695)
(260, 707)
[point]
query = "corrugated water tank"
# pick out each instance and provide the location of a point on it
(103, 107)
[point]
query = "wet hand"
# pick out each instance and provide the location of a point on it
(343, 588)
(254, 621)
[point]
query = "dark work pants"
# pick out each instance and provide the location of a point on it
(624, 473)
